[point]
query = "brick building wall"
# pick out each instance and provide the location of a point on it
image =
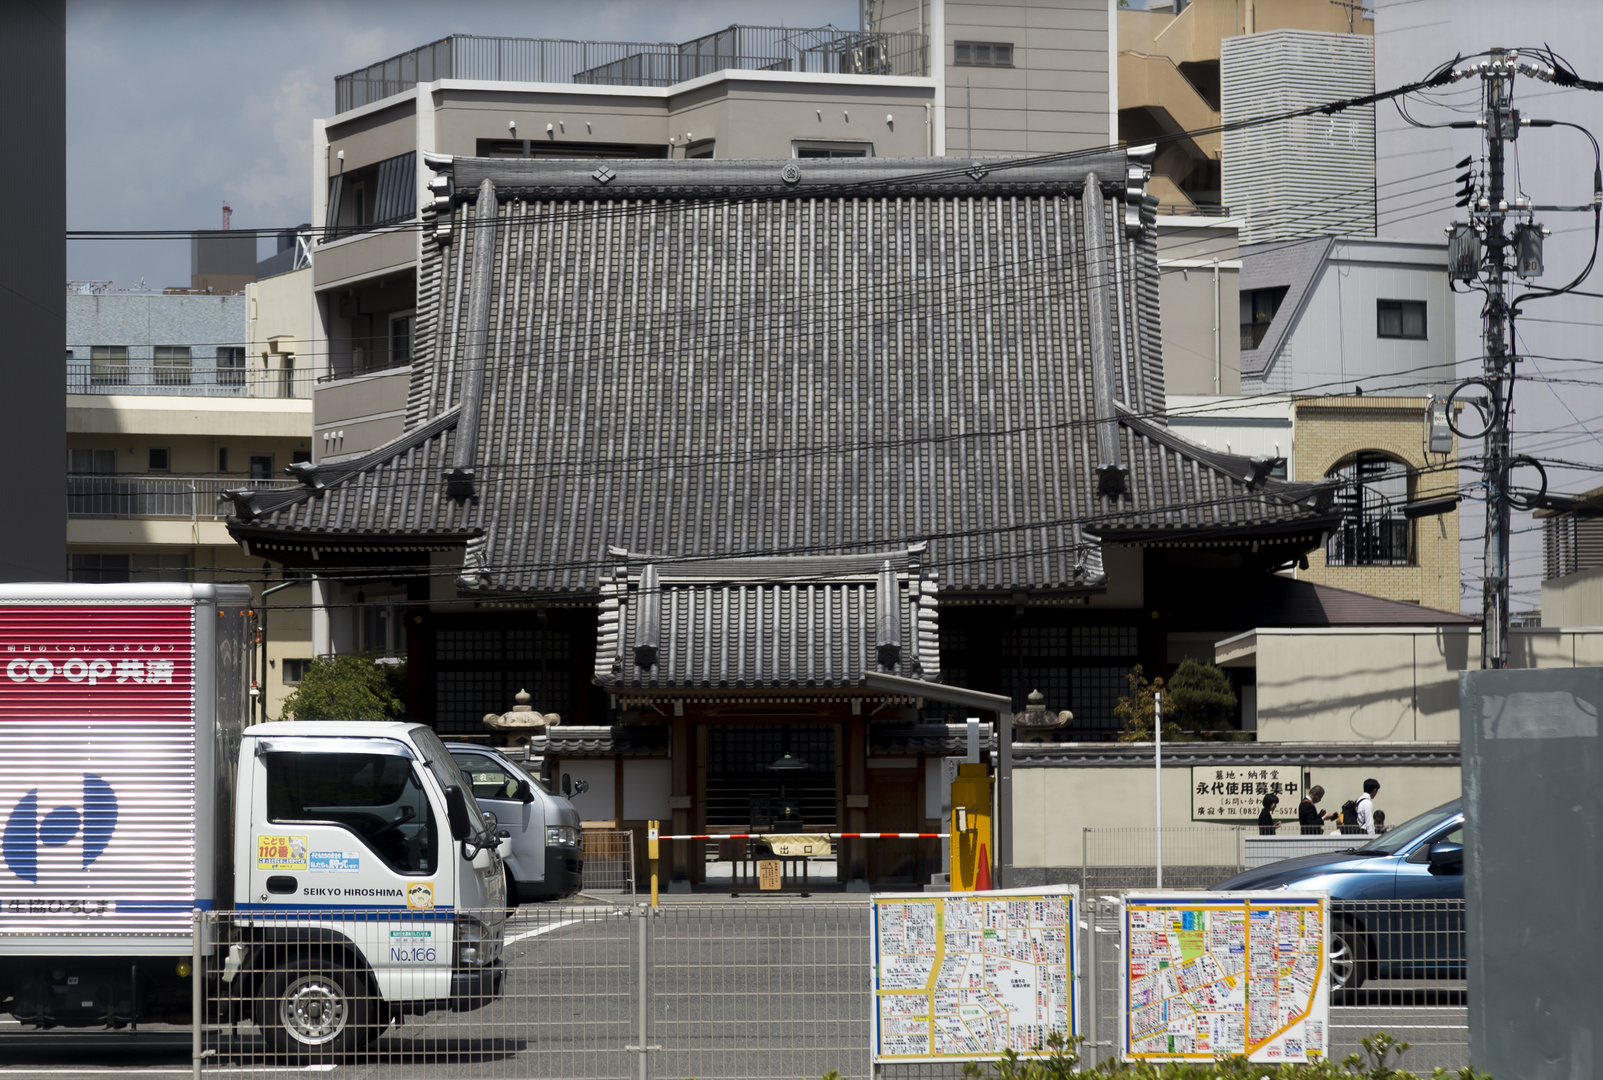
(1328, 432)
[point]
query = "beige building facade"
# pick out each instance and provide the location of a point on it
(167, 407)
(1378, 447)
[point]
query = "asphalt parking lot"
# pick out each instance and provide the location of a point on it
(738, 989)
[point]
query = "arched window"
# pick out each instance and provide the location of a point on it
(1373, 530)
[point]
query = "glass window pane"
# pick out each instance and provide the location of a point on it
(1414, 320)
(375, 796)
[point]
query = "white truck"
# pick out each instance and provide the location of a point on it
(350, 875)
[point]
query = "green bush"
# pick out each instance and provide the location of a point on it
(353, 687)
(1379, 1061)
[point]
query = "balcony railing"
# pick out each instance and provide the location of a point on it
(1374, 542)
(821, 50)
(193, 497)
(235, 382)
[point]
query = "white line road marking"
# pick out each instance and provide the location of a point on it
(542, 930)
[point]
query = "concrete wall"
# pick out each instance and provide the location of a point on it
(1052, 807)
(1055, 97)
(282, 324)
(358, 414)
(1380, 685)
(1200, 301)
(1574, 599)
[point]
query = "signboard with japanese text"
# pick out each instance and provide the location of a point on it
(97, 768)
(966, 976)
(1235, 974)
(1234, 793)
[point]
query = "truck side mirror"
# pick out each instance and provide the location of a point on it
(581, 786)
(567, 786)
(456, 807)
(525, 791)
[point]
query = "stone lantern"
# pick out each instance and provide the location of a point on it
(1035, 723)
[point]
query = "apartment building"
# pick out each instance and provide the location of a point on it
(1172, 80)
(166, 409)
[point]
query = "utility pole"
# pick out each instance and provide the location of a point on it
(1505, 226)
(1502, 125)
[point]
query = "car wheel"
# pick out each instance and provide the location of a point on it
(1349, 957)
(316, 1011)
(512, 890)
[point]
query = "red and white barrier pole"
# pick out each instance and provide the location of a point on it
(830, 836)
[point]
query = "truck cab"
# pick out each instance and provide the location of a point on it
(368, 882)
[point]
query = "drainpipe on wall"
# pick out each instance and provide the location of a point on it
(1218, 351)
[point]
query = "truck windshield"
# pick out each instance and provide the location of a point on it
(375, 796)
(445, 770)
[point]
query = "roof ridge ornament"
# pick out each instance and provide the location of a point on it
(888, 616)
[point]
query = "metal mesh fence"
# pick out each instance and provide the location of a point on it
(1194, 857)
(704, 988)
(609, 861)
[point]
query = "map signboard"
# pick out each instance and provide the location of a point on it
(1234, 793)
(1234, 974)
(965, 976)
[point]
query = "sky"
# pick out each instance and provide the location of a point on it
(176, 106)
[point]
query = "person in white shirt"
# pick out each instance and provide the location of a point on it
(1366, 807)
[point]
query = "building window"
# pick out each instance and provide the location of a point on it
(372, 195)
(231, 365)
(401, 339)
(1258, 308)
(92, 462)
(982, 54)
(1400, 319)
(222, 459)
(172, 365)
(159, 459)
(699, 150)
(297, 457)
(294, 671)
(812, 148)
(261, 466)
(111, 568)
(108, 365)
(1373, 531)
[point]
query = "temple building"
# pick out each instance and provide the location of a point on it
(692, 447)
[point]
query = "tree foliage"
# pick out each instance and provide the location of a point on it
(352, 687)
(1196, 702)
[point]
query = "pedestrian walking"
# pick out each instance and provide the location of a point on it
(1380, 822)
(1267, 825)
(1311, 819)
(1366, 807)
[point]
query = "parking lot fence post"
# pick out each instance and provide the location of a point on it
(1087, 973)
(651, 853)
(644, 916)
(197, 998)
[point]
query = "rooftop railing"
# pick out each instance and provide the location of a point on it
(134, 377)
(817, 50)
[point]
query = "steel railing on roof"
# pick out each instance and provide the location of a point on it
(817, 50)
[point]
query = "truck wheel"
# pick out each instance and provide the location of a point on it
(512, 890)
(316, 1011)
(1349, 957)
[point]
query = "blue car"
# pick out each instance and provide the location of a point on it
(1397, 902)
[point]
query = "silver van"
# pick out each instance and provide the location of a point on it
(544, 854)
